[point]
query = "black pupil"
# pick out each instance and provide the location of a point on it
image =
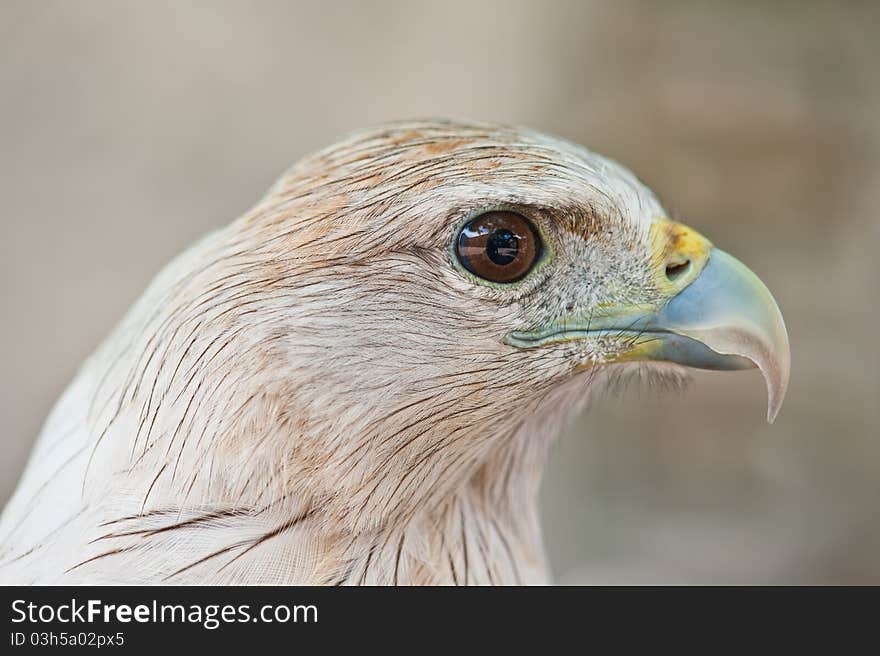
(502, 246)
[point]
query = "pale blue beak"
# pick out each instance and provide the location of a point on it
(724, 319)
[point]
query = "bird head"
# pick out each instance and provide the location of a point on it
(430, 289)
(359, 378)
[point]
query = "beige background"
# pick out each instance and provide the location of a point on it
(128, 129)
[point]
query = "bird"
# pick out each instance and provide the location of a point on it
(358, 380)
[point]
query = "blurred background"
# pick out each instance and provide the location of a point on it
(129, 129)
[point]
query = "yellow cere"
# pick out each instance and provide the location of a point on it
(674, 245)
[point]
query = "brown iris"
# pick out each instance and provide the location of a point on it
(498, 246)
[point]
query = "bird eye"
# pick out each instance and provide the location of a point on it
(498, 246)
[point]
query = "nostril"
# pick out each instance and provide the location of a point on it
(676, 271)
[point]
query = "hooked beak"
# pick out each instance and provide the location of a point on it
(719, 315)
